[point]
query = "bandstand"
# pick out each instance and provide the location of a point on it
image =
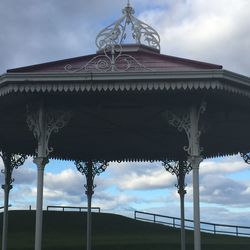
(127, 102)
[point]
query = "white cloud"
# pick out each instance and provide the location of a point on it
(67, 180)
(227, 165)
(111, 202)
(140, 176)
(206, 31)
(155, 180)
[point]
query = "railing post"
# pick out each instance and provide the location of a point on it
(154, 218)
(173, 222)
(237, 231)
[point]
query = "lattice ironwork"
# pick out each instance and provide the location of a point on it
(180, 169)
(111, 60)
(182, 120)
(11, 162)
(90, 169)
(116, 33)
(110, 41)
(53, 121)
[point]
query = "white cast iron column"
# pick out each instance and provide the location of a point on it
(195, 159)
(10, 161)
(195, 162)
(43, 122)
(189, 122)
(40, 162)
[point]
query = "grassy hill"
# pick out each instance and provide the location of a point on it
(67, 231)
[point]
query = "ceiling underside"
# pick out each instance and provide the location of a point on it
(128, 125)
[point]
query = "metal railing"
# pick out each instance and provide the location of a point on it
(69, 208)
(3, 206)
(189, 224)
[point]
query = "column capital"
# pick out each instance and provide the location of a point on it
(195, 160)
(182, 191)
(41, 162)
(7, 187)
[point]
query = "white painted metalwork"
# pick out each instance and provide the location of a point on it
(110, 41)
(111, 60)
(41, 162)
(195, 163)
(42, 123)
(189, 122)
(221, 80)
(116, 33)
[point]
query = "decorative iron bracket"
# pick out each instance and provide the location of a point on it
(42, 128)
(11, 162)
(189, 122)
(90, 169)
(116, 33)
(180, 169)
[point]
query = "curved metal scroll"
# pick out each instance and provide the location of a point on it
(116, 33)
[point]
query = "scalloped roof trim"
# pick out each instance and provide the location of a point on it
(36, 87)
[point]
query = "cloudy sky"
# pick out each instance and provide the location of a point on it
(215, 31)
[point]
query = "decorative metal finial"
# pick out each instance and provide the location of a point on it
(116, 33)
(110, 40)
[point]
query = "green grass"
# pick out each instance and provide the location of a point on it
(67, 231)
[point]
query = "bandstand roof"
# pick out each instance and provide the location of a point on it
(118, 98)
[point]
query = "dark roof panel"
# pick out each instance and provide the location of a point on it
(145, 57)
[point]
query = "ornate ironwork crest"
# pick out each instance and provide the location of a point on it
(116, 33)
(110, 41)
(54, 120)
(182, 121)
(112, 60)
